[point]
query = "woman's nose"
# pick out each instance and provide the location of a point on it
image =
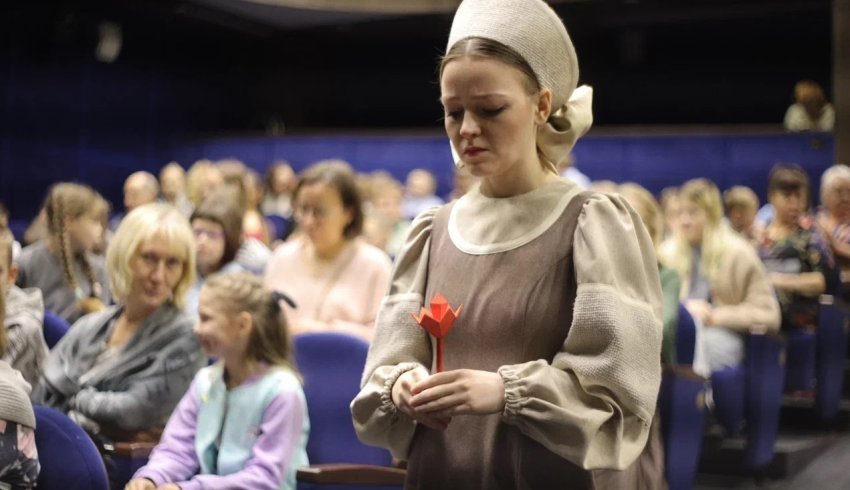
(469, 126)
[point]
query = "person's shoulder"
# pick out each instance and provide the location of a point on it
(290, 249)
(32, 252)
(281, 381)
(371, 254)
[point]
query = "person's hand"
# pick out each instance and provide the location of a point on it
(168, 486)
(700, 309)
(140, 484)
(460, 392)
(403, 394)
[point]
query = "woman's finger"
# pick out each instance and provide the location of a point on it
(431, 394)
(444, 403)
(434, 380)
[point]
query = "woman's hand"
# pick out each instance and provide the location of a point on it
(460, 392)
(140, 484)
(403, 394)
(168, 486)
(700, 309)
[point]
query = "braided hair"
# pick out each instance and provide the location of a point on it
(71, 200)
(270, 340)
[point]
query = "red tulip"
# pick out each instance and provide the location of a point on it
(438, 322)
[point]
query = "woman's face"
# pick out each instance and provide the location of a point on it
(321, 215)
(691, 222)
(489, 115)
(157, 268)
(836, 199)
(84, 232)
(788, 205)
(210, 240)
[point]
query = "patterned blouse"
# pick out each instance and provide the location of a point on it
(804, 250)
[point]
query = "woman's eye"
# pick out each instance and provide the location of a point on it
(454, 115)
(492, 112)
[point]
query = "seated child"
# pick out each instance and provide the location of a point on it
(243, 423)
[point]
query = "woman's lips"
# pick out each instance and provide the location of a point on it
(473, 150)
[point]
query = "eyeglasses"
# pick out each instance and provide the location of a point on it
(211, 234)
(301, 212)
(152, 260)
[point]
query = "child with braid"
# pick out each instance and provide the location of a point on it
(71, 278)
(243, 423)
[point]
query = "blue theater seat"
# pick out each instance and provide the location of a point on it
(331, 365)
(282, 226)
(800, 361)
(831, 354)
(681, 403)
(748, 397)
(68, 457)
(55, 327)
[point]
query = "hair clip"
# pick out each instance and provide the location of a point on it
(277, 296)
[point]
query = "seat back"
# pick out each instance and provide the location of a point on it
(800, 360)
(68, 457)
(681, 403)
(765, 374)
(282, 226)
(831, 354)
(331, 365)
(55, 327)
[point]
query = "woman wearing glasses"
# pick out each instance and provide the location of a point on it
(336, 279)
(125, 368)
(217, 226)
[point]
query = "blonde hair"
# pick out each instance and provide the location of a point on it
(149, 221)
(197, 178)
(7, 243)
(270, 341)
(71, 200)
(705, 195)
(740, 196)
(647, 208)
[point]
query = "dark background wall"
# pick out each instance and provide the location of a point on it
(187, 72)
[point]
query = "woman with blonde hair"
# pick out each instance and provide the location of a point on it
(551, 370)
(71, 278)
(124, 369)
(724, 284)
(653, 218)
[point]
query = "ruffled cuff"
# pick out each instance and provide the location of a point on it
(515, 396)
(387, 404)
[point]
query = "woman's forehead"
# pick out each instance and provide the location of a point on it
(163, 243)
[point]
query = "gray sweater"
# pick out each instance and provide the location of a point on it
(135, 389)
(14, 397)
(24, 324)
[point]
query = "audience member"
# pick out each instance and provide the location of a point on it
(26, 348)
(462, 182)
(139, 188)
(793, 250)
(671, 207)
(172, 183)
(19, 466)
(217, 225)
(254, 224)
(741, 205)
(336, 279)
(386, 199)
(280, 184)
(810, 110)
(124, 369)
(650, 213)
(569, 170)
(604, 186)
(243, 423)
(834, 216)
(72, 280)
(724, 284)
(4, 225)
(202, 179)
(419, 193)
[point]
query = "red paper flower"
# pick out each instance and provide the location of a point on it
(438, 322)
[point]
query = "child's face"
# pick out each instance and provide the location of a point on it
(221, 335)
(84, 232)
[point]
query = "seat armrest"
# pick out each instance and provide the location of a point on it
(353, 474)
(134, 450)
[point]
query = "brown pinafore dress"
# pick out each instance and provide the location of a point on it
(517, 307)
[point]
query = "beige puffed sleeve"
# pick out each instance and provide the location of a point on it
(594, 403)
(399, 345)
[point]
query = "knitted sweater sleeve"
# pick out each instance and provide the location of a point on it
(399, 345)
(594, 403)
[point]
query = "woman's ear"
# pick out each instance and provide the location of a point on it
(245, 322)
(544, 106)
